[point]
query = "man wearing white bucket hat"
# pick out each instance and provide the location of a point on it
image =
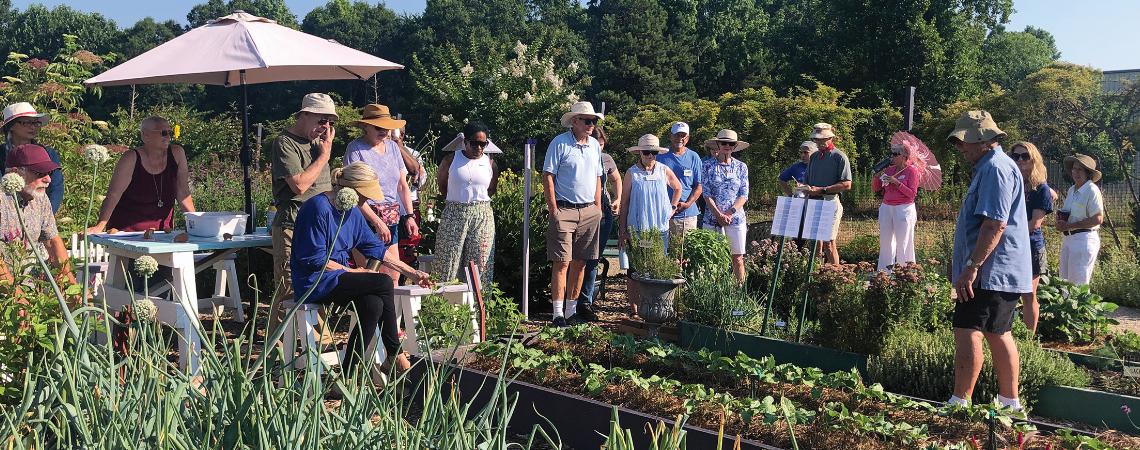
(21, 125)
(300, 156)
(686, 165)
(571, 182)
(828, 174)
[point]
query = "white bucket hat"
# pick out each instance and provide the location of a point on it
(457, 145)
(647, 142)
(822, 131)
(580, 109)
(319, 103)
(810, 146)
(726, 136)
(22, 109)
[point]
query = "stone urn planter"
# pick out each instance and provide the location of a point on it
(655, 302)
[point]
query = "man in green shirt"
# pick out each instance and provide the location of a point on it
(300, 169)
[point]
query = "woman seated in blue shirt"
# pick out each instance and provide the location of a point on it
(320, 262)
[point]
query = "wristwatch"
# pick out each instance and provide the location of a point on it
(970, 264)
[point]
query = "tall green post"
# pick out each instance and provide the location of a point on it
(772, 289)
(807, 291)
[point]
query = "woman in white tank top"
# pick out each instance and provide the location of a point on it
(467, 226)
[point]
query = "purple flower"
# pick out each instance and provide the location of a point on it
(1125, 409)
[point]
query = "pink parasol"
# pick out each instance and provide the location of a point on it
(930, 173)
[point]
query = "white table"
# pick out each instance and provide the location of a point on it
(182, 311)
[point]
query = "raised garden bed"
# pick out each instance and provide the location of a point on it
(1091, 407)
(754, 398)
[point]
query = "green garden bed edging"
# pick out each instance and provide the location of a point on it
(695, 336)
(1087, 406)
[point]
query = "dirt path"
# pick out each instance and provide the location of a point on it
(1128, 317)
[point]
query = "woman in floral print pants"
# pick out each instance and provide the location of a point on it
(467, 228)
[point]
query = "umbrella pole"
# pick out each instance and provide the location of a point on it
(246, 159)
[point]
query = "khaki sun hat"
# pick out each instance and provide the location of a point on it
(22, 109)
(361, 178)
(318, 103)
(975, 126)
(580, 109)
(1085, 161)
(822, 131)
(647, 142)
(379, 116)
(726, 136)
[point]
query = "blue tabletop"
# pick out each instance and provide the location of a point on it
(164, 242)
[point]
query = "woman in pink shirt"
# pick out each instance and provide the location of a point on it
(897, 215)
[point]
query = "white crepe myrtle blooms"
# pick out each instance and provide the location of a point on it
(446, 118)
(146, 266)
(346, 199)
(467, 70)
(96, 154)
(503, 95)
(12, 183)
(145, 310)
(520, 48)
(528, 98)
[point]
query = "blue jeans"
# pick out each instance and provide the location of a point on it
(586, 295)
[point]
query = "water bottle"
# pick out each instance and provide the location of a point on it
(623, 259)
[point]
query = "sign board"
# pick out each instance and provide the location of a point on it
(803, 218)
(788, 216)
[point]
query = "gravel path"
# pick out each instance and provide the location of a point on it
(1128, 317)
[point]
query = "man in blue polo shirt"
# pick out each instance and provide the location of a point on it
(686, 165)
(991, 263)
(571, 182)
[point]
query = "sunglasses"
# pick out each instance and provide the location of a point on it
(30, 123)
(896, 153)
(478, 144)
(326, 121)
(590, 121)
(1019, 156)
(164, 133)
(649, 152)
(727, 144)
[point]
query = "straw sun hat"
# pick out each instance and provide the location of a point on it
(379, 116)
(22, 109)
(726, 136)
(1085, 161)
(647, 142)
(580, 109)
(361, 178)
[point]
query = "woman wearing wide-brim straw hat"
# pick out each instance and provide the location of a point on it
(380, 150)
(726, 190)
(646, 204)
(1079, 219)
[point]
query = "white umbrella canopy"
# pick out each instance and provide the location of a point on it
(217, 52)
(238, 50)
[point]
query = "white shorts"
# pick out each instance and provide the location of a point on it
(737, 236)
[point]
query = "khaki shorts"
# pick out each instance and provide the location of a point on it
(682, 224)
(573, 234)
(838, 218)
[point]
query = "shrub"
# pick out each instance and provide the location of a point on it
(648, 257)
(864, 248)
(717, 300)
(28, 320)
(705, 251)
(1072, 313)
(508, 206)
(760, 262)
(858, 316)
(503, 316)
(443, 324)
(1117, 270)
(921, 364)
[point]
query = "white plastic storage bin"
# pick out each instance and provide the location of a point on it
(215, 224)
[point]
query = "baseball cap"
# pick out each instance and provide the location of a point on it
(679, 127)
(31, 156)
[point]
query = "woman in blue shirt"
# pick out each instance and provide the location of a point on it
(327, 229)
(1038, 204)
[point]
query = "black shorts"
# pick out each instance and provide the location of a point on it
(1040, 264)
(988, 311)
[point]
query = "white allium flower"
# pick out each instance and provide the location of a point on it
(520, 48)
(146, 266)
(346, 199)
(467, 70)
(446, 118)
(96, 154)
(503, 95)
(145, 310)
(528, 98)
(12, 183)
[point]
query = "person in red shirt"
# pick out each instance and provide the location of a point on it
(898, 183)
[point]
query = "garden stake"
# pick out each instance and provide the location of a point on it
(992, 445)
(803, 304)
(772, 290)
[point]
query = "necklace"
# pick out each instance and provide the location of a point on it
(158, 182)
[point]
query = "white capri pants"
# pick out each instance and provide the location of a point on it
(736, 234)
(1078, 256)
(896, 234)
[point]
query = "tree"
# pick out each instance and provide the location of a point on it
(1045, 37)
(730, 50)
(41, 31)
(145, 35)
(1009, 57)
(270, 9)
(634, 60)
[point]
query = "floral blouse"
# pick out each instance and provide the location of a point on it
(724, 183)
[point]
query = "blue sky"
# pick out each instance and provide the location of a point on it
(1100, 33)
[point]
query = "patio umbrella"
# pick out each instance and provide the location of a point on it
(929, 172)
(242, 49)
